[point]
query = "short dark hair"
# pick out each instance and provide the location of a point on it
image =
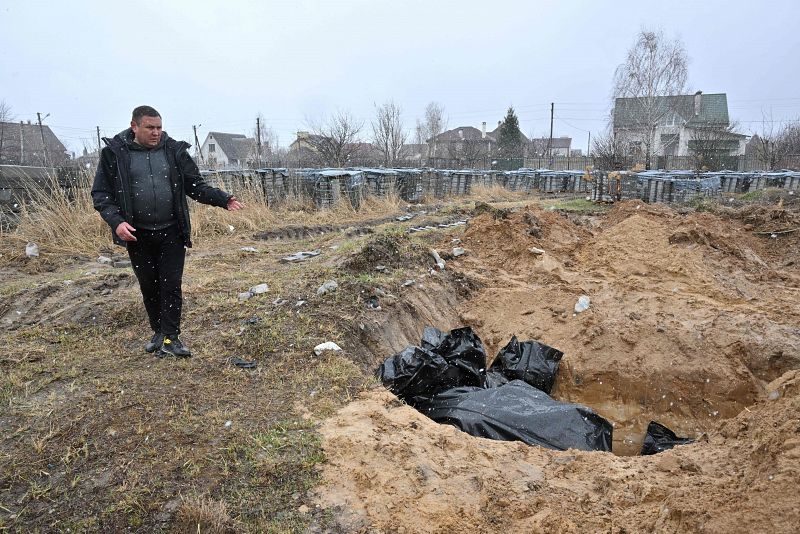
(144, 111)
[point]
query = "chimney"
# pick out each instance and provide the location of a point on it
(483, 130)
(698, 98)
(29, 121)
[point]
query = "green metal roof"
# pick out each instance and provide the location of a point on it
(713, 110)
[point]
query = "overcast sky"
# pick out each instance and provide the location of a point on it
(218, 64)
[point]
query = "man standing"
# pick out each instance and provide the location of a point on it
(140, 190)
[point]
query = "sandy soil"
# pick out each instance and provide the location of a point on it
(691, 316)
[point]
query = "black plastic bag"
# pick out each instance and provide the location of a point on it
(531, 361)
(454, 359)
(460, 347)
(660, 438)
(518, 411)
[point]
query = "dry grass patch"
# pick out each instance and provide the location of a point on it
(201, 513)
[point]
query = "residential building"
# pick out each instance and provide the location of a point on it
(678, 125)
(228, 151)
(540, 147)
(21, 144)
(465, 145)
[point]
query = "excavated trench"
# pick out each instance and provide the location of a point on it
(690, 315)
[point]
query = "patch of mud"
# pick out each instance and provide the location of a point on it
(54, 303)
(391, 469)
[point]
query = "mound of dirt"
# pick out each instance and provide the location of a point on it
(390, 250)
(391, 469)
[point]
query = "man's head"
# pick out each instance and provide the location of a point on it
(146, 126)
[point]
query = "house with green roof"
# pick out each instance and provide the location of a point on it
(677, 125)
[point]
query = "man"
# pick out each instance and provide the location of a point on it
(140, 190)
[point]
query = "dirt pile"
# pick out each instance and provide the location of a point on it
(392, 469)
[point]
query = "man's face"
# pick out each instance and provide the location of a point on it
(148, 131)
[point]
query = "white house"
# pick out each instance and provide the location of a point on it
(227, 151)
(684, 124)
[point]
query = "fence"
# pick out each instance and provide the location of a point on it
(326, 187)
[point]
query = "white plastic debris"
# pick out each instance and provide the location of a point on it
(231, 229)
(409, 282)
(300, 256)
(245, 296)
(104, 260)
(32, 250)
(438, 259)
(249, 249)
(582, 305)
(228, 423)
(536, 251)
(327, 287)
(458, 251)
(328, 345)
(259, 289)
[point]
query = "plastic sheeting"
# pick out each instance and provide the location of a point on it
(518, 411)
(660, 438)
(446, 379)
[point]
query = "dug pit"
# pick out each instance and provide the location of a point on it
(690, 317)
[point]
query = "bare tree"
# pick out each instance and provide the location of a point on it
(538, 146)
(467, 152)
(5, 120)
(654, 68)
(435, 123)
(609, 152)
(709, 146)
(388, 134)
(336, 141)
(775, 144)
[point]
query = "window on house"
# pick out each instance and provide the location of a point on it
(212, 147)
(670, 119)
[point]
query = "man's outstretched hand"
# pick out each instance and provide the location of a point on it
(124, 232)
(234, 205)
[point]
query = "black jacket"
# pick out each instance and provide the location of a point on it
(111, 192)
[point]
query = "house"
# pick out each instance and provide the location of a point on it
(21, 144)
(677, 125)
(540, 147)
(462, 145)
(228, 151)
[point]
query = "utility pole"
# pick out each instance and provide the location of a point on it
(41, 131)
(550, 143)
(21, 145)
(588, 145)
(98, 142)
(197, 143)
(258, 142)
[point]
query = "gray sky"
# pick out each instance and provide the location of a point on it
(89, 63)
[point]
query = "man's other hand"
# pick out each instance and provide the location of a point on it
(234, 204)
(124, 230)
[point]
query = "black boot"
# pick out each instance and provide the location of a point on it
(172, 345)
(155, 343)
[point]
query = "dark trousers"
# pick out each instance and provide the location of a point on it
(158, 257)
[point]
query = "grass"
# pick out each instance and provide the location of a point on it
(575, 205)
(102, 437)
